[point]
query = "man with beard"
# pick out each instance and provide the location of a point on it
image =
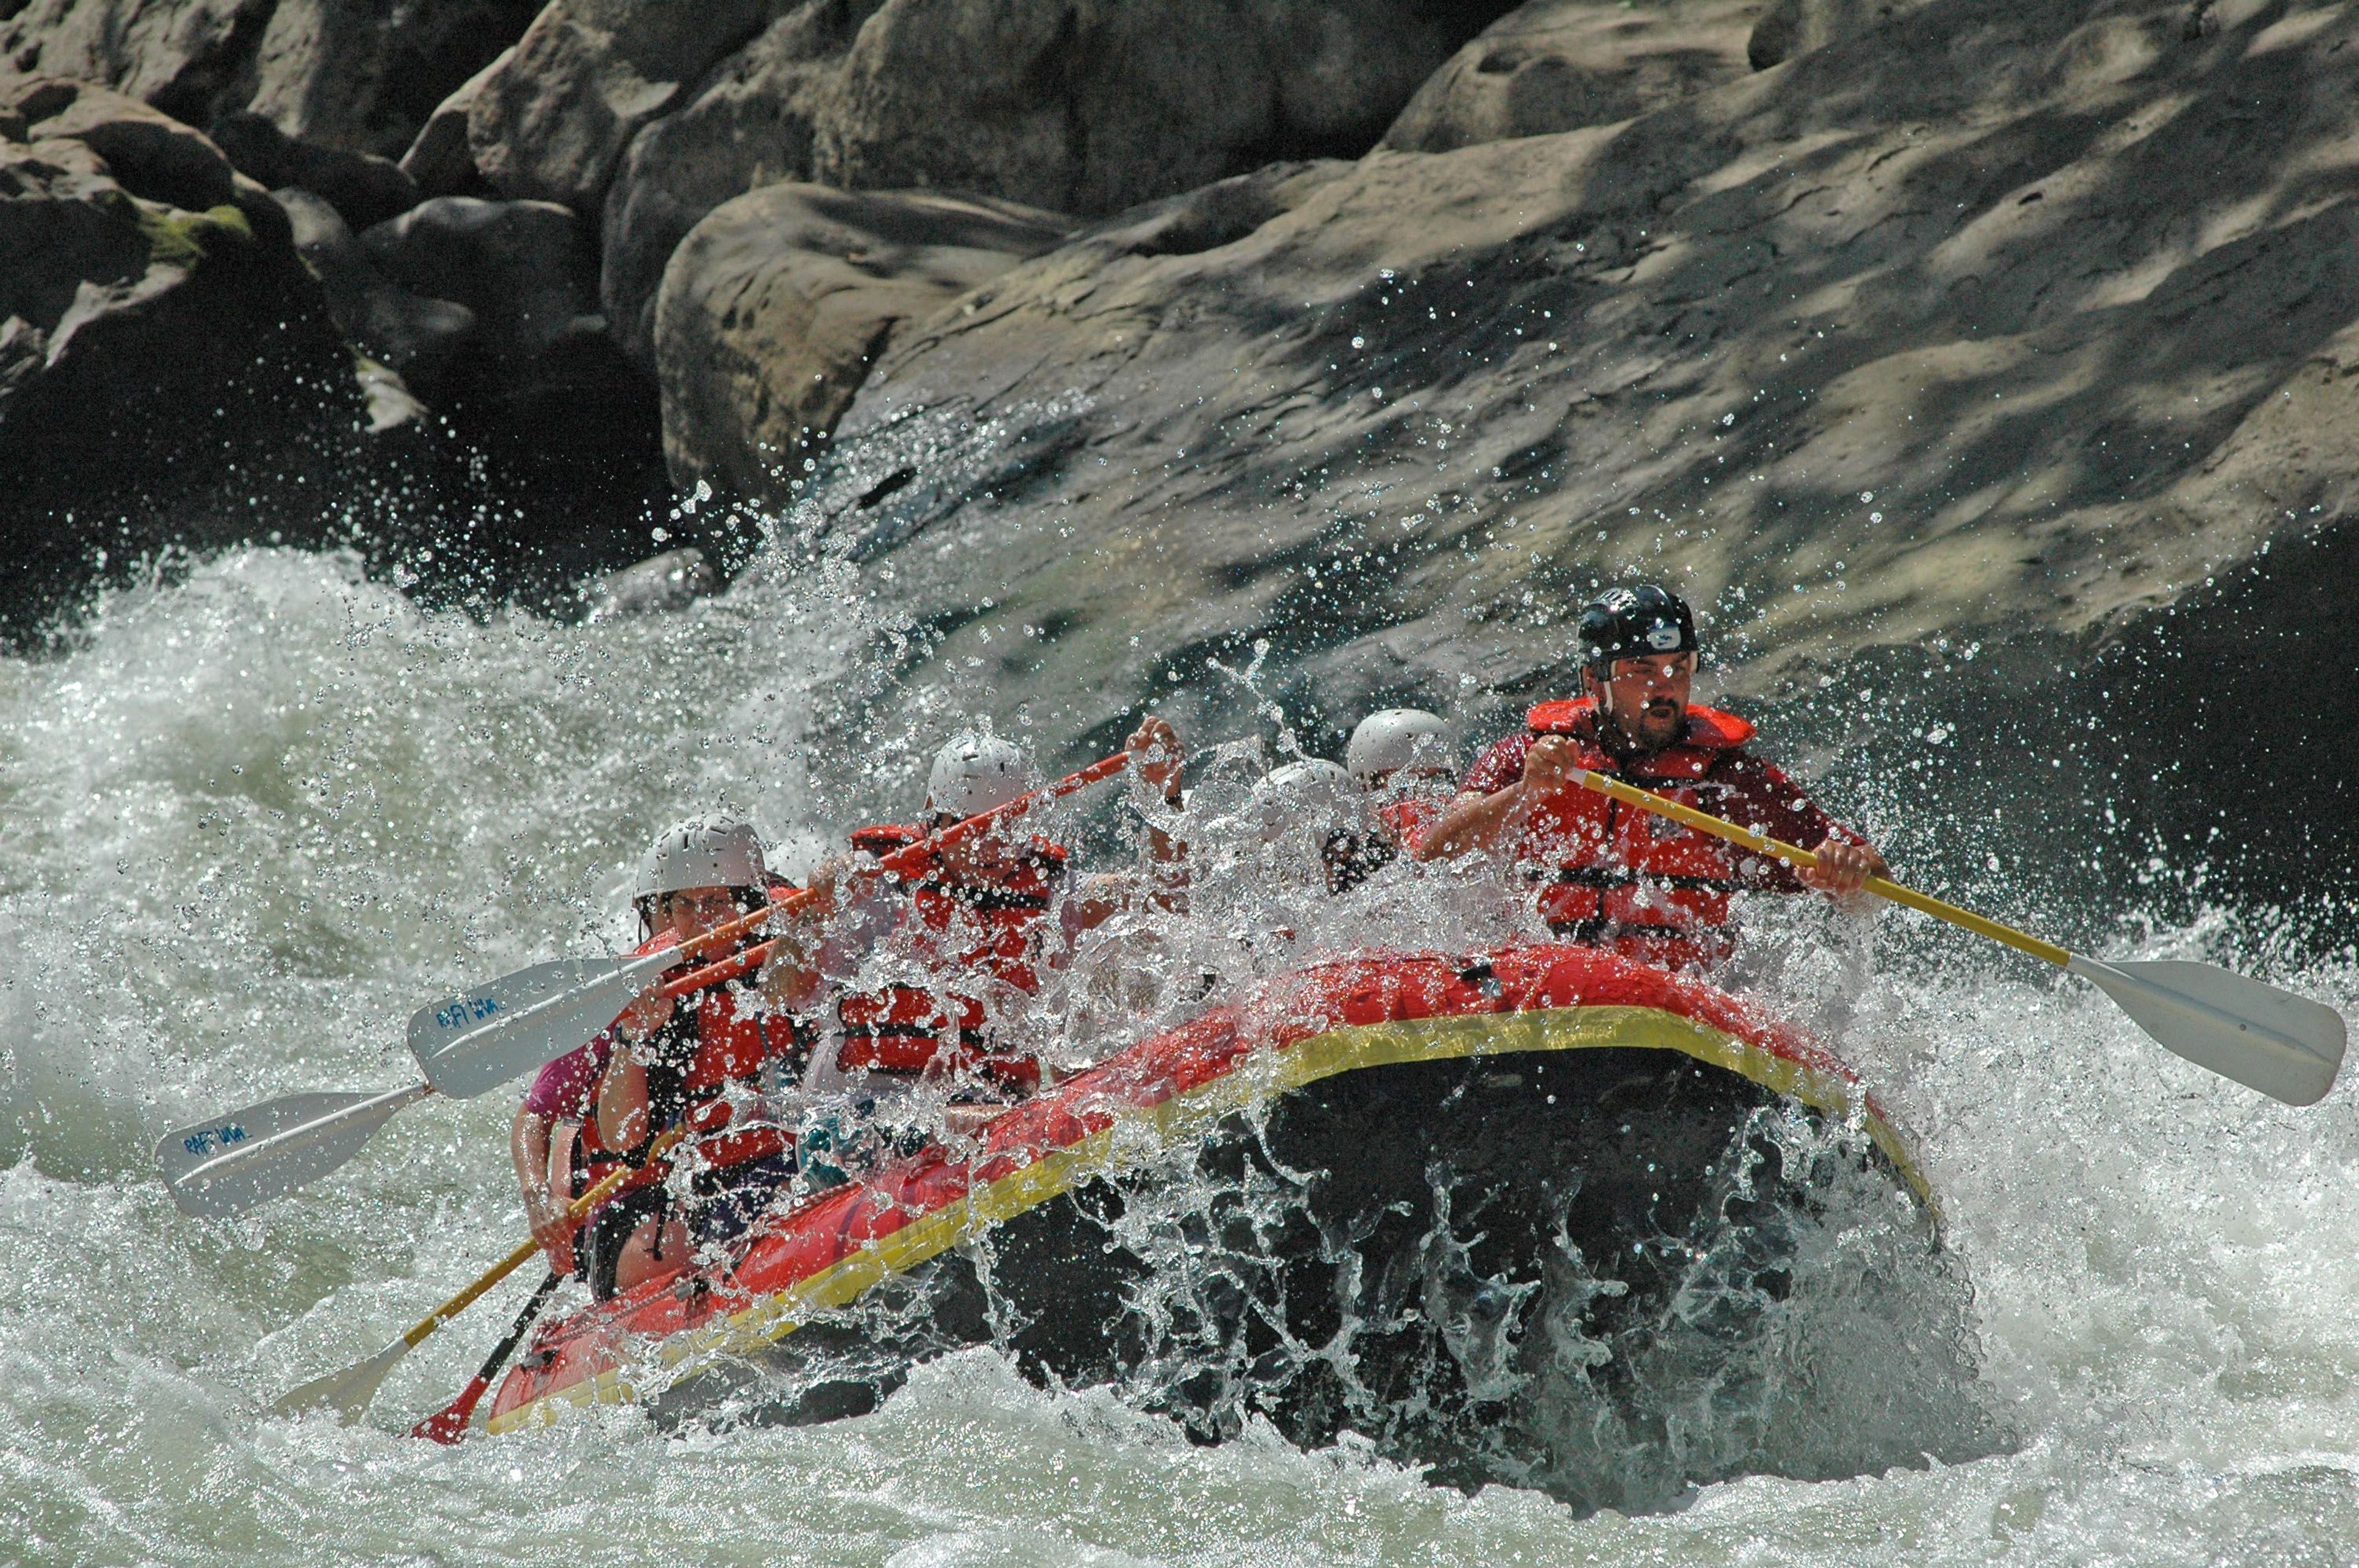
(1609, 875)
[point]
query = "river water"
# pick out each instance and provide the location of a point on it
(254, 818)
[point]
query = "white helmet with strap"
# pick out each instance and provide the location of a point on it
(718, 850)
(1399, 737)
(973, 772)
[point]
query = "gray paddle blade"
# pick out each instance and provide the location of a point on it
(346, 1392)
(232, 1185)
(473, 1044)
(2288, 1047)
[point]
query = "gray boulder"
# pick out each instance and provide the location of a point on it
(1083, 108)
(751, 122)
(776, 306)
(550, 123)
(148, 153)
(355, 75)
(1883, 346)
(1558, 65)
(363, 75)
(1095, 108)
(185, 57)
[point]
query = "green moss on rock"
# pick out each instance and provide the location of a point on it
(176, 238)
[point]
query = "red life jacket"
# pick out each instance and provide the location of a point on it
(1411, 818)
(1626, 877)
(700, 1055)
(988, 926)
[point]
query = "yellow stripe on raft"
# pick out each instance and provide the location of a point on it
(1140, 1133)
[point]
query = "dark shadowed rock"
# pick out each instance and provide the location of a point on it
(420, 338)
(1890, 343)
(749, 124)
(150, 154)
(1558, 65)
(1790, 27)
(357, 75)
(776, 306)
(440, 160)
(550, 123)
(363, 75)
(163, 371)
(524, 268)
(537, 384)
(365, 188)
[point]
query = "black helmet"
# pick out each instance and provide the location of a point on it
(1631, 620)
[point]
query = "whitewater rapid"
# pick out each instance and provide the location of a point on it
(252, 818)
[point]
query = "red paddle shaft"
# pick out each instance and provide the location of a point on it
(449, 1424)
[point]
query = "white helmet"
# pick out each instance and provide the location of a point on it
(975, 772)
(1395, 739)
(1313, 793)
(702, 852)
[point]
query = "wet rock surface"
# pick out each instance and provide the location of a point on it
(1888, 343)
(672, 580)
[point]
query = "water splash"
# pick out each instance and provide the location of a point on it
(248, 820)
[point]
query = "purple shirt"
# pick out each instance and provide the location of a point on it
(566, 1087)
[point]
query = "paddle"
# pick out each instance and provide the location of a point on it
(2288, 1047)
(450, 1424)
(349, 1391)
(229, 1164)
(474, 1042)
(497, 1032)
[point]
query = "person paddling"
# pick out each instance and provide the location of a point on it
(1614, 877)
(705, 1060)
(1402, 758)
(952, 953)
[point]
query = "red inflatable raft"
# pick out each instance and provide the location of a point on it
(1607, 1092)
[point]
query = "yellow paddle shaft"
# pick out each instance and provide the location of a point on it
(576, 1211)
(1761, 843)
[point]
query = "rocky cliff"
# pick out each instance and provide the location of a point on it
(1997, 318)
(1113, 339)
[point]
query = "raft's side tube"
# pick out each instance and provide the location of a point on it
(1342, 1017)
